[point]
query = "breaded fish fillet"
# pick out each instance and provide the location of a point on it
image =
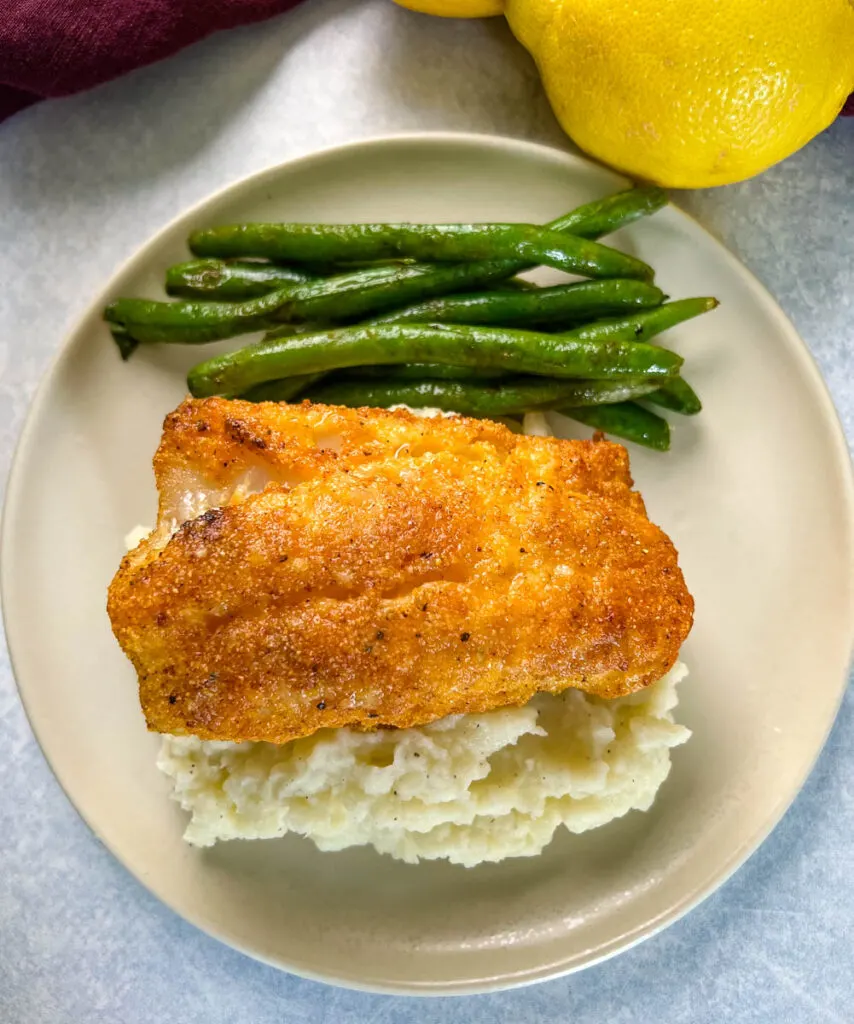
(315, 566)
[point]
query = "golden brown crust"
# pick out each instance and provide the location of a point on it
(403, 571)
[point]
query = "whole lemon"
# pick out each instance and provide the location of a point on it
(456, 8)
(687, 93)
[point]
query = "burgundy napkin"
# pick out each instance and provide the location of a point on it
(57, 47)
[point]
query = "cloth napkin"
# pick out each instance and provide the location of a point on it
(58, 47)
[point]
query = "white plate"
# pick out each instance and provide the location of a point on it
(756, 493)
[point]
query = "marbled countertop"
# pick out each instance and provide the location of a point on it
(83, 182)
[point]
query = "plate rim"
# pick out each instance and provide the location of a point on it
(808, 369)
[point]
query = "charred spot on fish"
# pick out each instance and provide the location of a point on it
(465, 637)
(205, 527)
(239, 432)
(201, 426)
(380, 634)
(172, 698)
(321, 705)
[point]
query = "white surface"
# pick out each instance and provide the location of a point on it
(355, 917)
(83, 182)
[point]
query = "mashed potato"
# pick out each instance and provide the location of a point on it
(471, 788)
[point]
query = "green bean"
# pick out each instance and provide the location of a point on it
(366, 292)
(489, 347)
(678, 396)
(515, 396)
(330, 269)
(646, 324)
(592, 220)
(124, 342)
(348, 295)
(335, 304)
(216, 279)
(584, 300)
(193, 323)
(189, 322)
(603, 216)
(626, 420)
(282, 390)
(335, 269)
(433, 243)
(675, 394)
(426, 371)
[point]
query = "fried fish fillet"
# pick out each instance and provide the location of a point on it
(316, 566)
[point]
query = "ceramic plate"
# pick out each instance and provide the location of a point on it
(756, 493)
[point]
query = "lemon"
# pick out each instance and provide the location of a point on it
(686, 93)
(456, 8)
